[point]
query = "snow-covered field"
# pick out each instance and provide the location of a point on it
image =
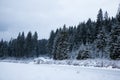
(21, 71)
(101, 63)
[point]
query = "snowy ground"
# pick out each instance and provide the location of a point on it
(101, 63)
(20, 71)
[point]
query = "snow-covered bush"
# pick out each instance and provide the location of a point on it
(84, 54)
(43, 60)
(87, 63)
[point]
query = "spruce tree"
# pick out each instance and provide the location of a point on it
(35, 44)
(29, 45)
(50, 42)
(61, 45)
(101, 43)
(99, 22)
(115, 43)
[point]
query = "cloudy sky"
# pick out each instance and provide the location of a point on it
(46, 15)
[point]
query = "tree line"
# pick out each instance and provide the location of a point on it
(23, 47)
(90, 39)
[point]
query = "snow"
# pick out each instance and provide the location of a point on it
(103, 63)
(21, 71)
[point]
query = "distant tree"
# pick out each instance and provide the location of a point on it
(101, 43)
(50, 42)
(99, 22)
(71, 39)
(35, 44)
(83, 33)
(3, 48)
(42, 50)
(61, 45)
(90, 35)
(118, 11)
(118, 15)
(11, 48)
(100, 16)
(115, 43)
(106, 16)
(78, 38)
(22, 41)
(80, 35)
(20, 45)
(29, 45)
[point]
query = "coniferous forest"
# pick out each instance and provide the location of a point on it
(90, 39)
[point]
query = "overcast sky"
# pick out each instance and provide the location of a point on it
(46, 15)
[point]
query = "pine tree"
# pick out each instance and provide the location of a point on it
(1, 48)
(118, 15)
(18, 46)
(35, 44)
(90, 36)
(99, 22)
(50, 42)
(115, 43)
(101, 43)
(100, 16)
(61, 45)
(106, 16)
(78, 39)
(11, 48)
(118, 11)
(71, 39)
(29, 45)
(22, 41)
(42, 50)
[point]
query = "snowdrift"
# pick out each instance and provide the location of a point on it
(87, 63)
(103, 63)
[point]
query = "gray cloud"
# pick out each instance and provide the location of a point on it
(44, 15)
(3, 27)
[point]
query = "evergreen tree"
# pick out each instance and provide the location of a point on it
(20, 45)
(118, 15)
(61, 45)
(101, 44)
(29, 45)
(11, 48)
(115, 43)
(42, 50)
(106, 16)
(90, 35)
(35, 44)
(1, 48)
(71, 39)
(78, 38)
(99, 22)
(50, 42)
(22, 41)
